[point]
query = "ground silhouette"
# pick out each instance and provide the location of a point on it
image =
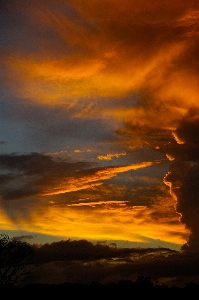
(142, 287)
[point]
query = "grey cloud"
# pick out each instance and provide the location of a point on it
(184, 181)
(188, 128)
(145, 136)
(51, 122)
(29, 174)
(187, 133)
(32, 37)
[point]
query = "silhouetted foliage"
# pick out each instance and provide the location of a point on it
(141, 287)
(14, 257)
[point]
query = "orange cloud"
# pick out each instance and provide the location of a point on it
(111, 155)
(111, 53)
(93, 204)
(114, 221)
(75, 184)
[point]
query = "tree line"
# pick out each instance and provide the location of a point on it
(15, 255)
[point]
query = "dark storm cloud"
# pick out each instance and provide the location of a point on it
(145, 135)
(183, 179)
(181, 146)
(188, 128)
(183, 175)
(185, 147)
(184, 152)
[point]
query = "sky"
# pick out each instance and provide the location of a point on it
(99, 136)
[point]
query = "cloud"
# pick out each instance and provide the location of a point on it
(37, 187)
(188, 128)
(184, 144)
(183, 181)
(121, 50)
(111, 155)
(119, 72)
(183, 174)
(50, 177)
(182, 178)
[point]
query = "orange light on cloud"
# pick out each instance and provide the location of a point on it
(68, 79)
(75, 184)
(176, 138)
(110, 156)
(93, 204)
(114, 221)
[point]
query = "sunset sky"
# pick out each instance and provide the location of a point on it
(99, 124)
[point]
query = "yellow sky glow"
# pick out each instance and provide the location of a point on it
(118, 223)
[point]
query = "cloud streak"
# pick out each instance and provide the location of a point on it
(42, 172)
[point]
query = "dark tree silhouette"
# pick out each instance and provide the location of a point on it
(14, 258)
